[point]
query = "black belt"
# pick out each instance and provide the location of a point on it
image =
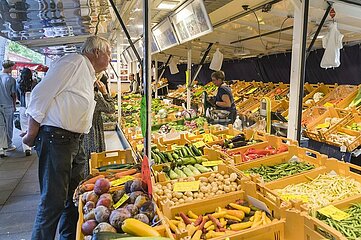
(56, 130)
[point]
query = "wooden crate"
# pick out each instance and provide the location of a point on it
(347, 100)
(319, 135)
(273, 231)
(162, 229)
(267, 190)
(279, 106)
(109, 157)
(303, 154)
(165, 206)
(321, 88)
(351, 145)
(270, 140)
(338, 94)
(166, 144)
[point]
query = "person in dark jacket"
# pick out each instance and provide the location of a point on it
(224, 98)
(23, 89)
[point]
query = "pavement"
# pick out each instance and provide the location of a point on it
(19, 189)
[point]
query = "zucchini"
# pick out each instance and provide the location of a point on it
(180, 173)
(113, 166)
(202, 168)
(138, 228)
(187, 171)
(184, 151)
(173, 175)
(169, 156)
(194, 169)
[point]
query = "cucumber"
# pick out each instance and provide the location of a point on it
(196, 150)
(169, 156)
(185, 152)
(190, 153)
(189, 161)
(180, 173)
(162, 157)
(180, 153)
(187, 171)
(175, 156)
(173, 175)
(202, 168)
(194, 169)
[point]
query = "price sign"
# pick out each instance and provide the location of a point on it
(211, 163)
(334, 213)
(121, 201)
(288, 197)
(146, 175)
(121, 181)
(186, 186)
(199, 144)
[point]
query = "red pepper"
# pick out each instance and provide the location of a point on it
(282, 148)
(269, 148)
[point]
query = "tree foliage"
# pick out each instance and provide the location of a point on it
(26, 52)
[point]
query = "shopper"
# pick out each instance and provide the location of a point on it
(224, 98)
(94, 140)
(23, 89)
(133, 83)
(7, 107)
(61, 110)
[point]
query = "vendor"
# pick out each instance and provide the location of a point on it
(224, 98)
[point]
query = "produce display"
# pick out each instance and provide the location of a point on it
(354, 126)
(215, 184)
(234, 217)
(323, 190)
(188, 154)
(329, 122)
(186, 170)
(341, 138)
(237, 141)
(349, 227)
(271, 173)
(187, 125)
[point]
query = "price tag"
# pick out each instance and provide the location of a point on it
(199, 144)
(328, 104)
(334, 213)
(288, 197)
(121, 181)
(186, 186)
(121, 201)
(211, 163)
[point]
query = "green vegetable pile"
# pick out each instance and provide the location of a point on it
(350, 227)
(271, 173)
(187, 171)
(181, 156)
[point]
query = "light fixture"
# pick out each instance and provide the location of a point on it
(167, 5)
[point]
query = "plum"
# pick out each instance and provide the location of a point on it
(101, 214)
(101, 186)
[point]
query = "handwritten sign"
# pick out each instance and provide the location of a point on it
(334, 213)
(199, 144)
(121, 181)
(211, 163)
(288, 197)
(121, 201)
(186, 186)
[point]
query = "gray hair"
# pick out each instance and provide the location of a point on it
(95, 42)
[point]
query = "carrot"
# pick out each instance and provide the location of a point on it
(93, 179)
(125, 173)
(199, 220)
(215, 221)
(88, 187)
(201, 226)
(185, 218)
(137, 175)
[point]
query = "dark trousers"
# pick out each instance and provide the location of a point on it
(61, 168)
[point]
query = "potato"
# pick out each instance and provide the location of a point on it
(88, 207)
(101, 186)
(118, 216)
(104, 227)
(101, 214)
(88, 227)
(91, 196)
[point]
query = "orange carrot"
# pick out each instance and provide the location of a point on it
(125, 173)
(93, 179)
(137, 175)
(88, 187)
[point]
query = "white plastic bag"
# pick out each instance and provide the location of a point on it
(173, 67)
(217, 60)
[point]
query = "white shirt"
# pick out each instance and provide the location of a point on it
(332, 43)
(65, 97)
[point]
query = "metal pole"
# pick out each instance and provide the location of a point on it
(201, 63)
(189, 68)
(319, 29)
(156, 76)
(147, 77)
(119, 84)
(164, 67)
(125, 31)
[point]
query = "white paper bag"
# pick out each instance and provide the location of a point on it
(217, 60)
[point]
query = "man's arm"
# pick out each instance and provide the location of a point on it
(33, 130)
(13, 95)
(226, 101)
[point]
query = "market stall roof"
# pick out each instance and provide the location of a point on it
(33, 66)
(55, 28)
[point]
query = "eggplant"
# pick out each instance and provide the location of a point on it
(239, 137)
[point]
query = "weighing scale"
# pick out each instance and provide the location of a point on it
(265, 113)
